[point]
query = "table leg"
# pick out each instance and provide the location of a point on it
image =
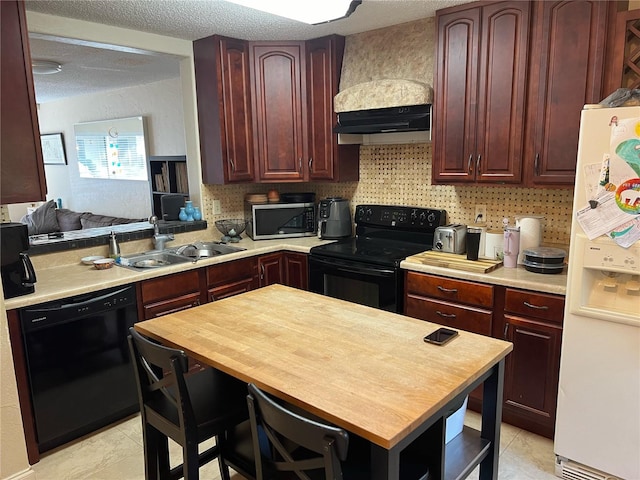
(491, 419)
(385, 464)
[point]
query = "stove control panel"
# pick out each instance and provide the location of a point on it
(392, 216)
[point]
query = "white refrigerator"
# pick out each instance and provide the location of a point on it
(598, 416)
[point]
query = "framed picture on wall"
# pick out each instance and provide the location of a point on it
(53, 149)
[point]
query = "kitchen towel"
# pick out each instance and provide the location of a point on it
(530, 233)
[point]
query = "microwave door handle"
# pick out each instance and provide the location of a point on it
(29, 277)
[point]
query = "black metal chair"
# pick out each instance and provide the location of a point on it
(293, 445)
(189, 408)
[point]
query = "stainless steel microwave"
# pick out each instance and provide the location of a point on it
(280, 220)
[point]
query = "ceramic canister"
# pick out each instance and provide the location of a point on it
(530, 233)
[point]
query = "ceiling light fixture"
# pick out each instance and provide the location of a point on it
(45, 67)
(307, 11)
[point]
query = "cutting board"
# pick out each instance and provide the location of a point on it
(458, 262)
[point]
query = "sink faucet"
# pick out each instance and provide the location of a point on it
(159, 239)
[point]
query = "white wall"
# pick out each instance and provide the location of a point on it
(160, 103)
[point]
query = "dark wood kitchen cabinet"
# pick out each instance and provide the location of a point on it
(296, 270)
(567, 71)
(169, 294)
(454, 303)
(279, 107)
(511, 80)
(224, 109)
(231, 278)
(326, 159)
(286, 268)
(271, 269)
(480, 85)
(22, 167)
(293, 88)
(533, 323)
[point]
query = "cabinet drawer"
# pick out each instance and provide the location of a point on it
(465, 318)
(230, 289)
(225, 273)
(450, 289)
(536, 305)
(170, 286)
(174, 305)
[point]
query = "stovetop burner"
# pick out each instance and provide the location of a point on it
(386, 234)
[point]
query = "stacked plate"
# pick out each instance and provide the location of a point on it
(544, 259)
(255, 198)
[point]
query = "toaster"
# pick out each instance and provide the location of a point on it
(450, 238)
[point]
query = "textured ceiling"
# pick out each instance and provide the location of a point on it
(88, 70)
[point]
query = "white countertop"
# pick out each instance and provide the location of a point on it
(74, 278)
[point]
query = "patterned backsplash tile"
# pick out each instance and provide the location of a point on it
(401, 175)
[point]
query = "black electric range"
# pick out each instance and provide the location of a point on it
(366, 268)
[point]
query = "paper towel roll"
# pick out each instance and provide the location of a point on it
(530, 232)
(494, 244)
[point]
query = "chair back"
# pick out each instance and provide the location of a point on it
(162, 390)
(290, 442)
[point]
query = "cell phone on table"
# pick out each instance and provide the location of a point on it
(441, 336)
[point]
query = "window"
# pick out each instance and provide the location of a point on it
(112, 149)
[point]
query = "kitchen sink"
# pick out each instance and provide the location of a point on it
(162, 258)
(171, 256)
(199, 250)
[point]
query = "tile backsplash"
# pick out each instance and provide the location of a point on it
(401, 175)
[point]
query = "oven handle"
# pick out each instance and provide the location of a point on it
(352, 267)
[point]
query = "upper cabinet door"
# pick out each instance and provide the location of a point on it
(456, 89)
(502, 92)
(22, 168)
(321, 87)
(237, 140)
(567, 72)
(327, 160)
(224, 109)
(481, 93)
(279, 108)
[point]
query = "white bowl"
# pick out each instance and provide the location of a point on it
(104, 263)
(91, 259)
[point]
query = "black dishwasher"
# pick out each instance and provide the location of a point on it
(78, 363)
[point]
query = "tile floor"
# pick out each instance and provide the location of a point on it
(115, 453)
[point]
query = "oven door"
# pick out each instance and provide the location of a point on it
(372, 285)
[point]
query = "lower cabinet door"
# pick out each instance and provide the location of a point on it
(531, 374)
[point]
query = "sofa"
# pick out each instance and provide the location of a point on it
(48, 219)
